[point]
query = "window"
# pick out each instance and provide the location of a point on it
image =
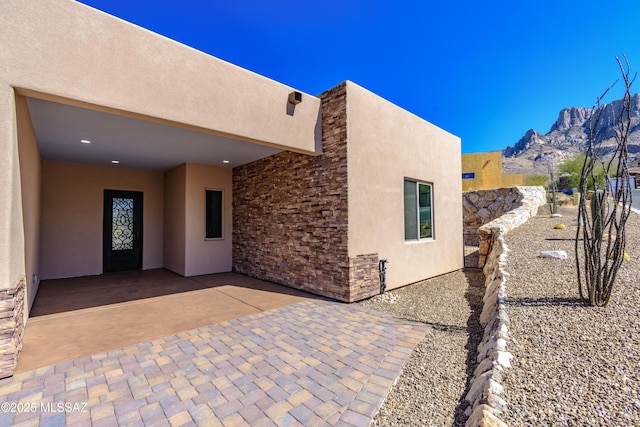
(418, 218)
(468, 175)
(213, 214)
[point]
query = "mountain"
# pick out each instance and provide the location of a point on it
(569, 135)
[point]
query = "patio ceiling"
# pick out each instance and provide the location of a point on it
(134, 143)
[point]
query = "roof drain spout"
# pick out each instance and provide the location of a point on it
(382, 268)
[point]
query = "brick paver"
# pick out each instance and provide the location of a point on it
(310, 363)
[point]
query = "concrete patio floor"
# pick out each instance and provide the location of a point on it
(294, 360)
(81, 316)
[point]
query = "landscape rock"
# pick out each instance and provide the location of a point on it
(554, 254)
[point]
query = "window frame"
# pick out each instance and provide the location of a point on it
(206, 213)
(416, 218)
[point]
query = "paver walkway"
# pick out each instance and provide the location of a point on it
(311, 363)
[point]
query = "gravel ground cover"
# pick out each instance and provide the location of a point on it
(573, 365)
(432, 386)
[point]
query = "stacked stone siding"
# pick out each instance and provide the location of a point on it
(290, 212)
(11, 327)
(290, 216)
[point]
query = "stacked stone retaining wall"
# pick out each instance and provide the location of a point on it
(485, 393)
(481, 208)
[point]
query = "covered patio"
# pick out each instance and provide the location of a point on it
(80, 316)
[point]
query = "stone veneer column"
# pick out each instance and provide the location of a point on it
(290, 212)
(11, 327)
(290, 216)
(364, 280)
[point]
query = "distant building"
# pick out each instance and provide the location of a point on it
(482, 171)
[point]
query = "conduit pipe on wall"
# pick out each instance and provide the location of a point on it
(382, 268)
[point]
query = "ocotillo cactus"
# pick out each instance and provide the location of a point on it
(598, 213)
(598, 262)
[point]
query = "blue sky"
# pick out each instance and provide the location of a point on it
(486, 71)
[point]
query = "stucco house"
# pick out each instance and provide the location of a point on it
(122, 149)
(483, 171)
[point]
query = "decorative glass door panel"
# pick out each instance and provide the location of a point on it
(122, 224)
(122, 230)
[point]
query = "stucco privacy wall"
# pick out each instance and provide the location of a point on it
(72, 215)
(386, 145)
(30, 171)
(66, 49)
(290, 212)
(12, 247)
(11, 226)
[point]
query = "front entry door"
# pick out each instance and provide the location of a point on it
(122, 231)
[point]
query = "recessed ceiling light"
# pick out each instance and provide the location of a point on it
(225, 161)
(85, 141)
(115, 162)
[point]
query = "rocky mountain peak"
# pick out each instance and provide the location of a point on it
(530, 138)
(569, 135)
(571, 117)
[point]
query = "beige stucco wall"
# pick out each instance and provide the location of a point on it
(72, 214)
(30, 171)
(12, 265)
(386, 145)
(175, 184)
(186, 251)
(214, 255)
(67, 49)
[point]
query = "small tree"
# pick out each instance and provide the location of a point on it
(599, 257)
(571, 172)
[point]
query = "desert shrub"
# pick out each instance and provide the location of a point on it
(571, 171)
(537, 180)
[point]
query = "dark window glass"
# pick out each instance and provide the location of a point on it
(213, 214)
